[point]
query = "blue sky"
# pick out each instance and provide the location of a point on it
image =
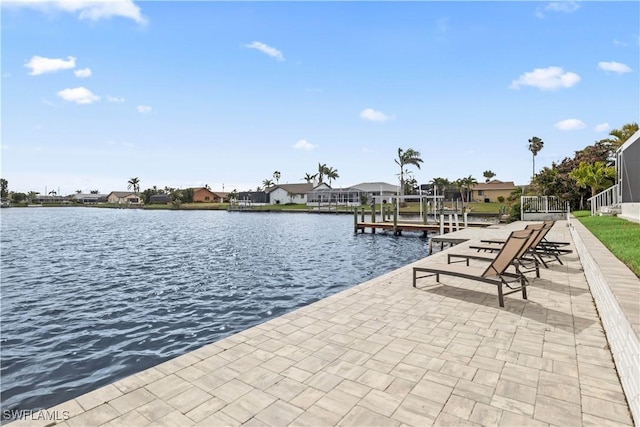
(225, 93)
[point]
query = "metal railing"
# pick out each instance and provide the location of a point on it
(606, 198)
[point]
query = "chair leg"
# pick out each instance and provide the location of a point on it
(414, 277)
(524, 288)
(500, 295)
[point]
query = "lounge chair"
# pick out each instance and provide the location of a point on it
(544, 241)
(495, 274)
(530, 264)
(538, 249)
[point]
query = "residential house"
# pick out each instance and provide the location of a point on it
(45, 198)
(490, 191)
(203, 195)
(623, 198)
(628, 178)
(220, 196)
(382, 189)
(253, 197)
(124, 198)
(289, 193)
(323, 195)
(90, 199)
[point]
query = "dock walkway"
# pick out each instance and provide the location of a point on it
(385, 353)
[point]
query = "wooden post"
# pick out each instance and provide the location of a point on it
(425, 213)
(362, 214)
(355, 221)
(373, 217)
(396, 232)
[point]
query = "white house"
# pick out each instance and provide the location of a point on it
(628, 178)
(289, 193)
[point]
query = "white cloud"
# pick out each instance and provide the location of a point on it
(562, 7)
(303, 144)
(374, 116)
(93, 10)
(570, 124)
(614, 67)
(271, 51)
(602, 127)
(85, 72)
(79, 95)
(41, 65)
(143, 109)
(114, 99)
(549, 78)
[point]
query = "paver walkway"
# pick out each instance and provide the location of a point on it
(385, 354)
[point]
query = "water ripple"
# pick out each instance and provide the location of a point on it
(93, 295)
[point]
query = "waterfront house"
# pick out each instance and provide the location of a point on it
(90, 199)
(220, 196)
(323, 195)
(124, 198)
(490, 191)
(253, 198)
(289, 193)
(623, 198)
(204, 195)
(371, 189)
(48, 198)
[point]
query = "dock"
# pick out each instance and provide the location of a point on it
(399, 227)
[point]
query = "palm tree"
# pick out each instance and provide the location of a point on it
(309, 177)
(276, 176)
(408, 157)
(322, 170)
(488, 175)
(135, 184)
(467, 183)
(596, 176)
(267, 183)
(440, 184)
(620, 136)
(535, 145)
(331, 174)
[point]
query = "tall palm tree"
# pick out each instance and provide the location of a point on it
(267, 183)
(135, 184)
(331, 174)
(322, 170)
(276, 176)
(535, 145)
(310, 177)
(408, 157)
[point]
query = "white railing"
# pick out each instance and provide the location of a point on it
(606, 198)
(543, 204)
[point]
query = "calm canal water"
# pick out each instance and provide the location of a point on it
(90, 296)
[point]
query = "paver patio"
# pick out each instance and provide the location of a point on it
(386, 354)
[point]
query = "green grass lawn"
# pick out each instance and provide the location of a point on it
(620, 236)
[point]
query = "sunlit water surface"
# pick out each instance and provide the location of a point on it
(91, 295)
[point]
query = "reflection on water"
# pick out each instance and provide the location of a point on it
(93, 295)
